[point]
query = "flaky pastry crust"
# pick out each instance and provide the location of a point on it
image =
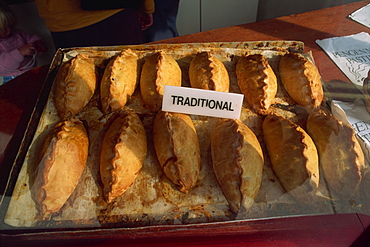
(208, 72)
(293, 155)
(366, 91)
(62, 161)
(159, 69)
(238, 161)
(74, 85)
(341, 158)
(257, 81)
(119, 81)
(123, 154)
(366, 185)
(177, 148)
(302, 80)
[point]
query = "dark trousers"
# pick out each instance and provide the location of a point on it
(164, 21)
(123, 28)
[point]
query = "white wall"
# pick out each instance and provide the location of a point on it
(268, 9)
(224, 13)
(203, 15)
(188, 17)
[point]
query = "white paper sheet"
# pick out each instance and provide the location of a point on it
(351, 54)
(362, 15)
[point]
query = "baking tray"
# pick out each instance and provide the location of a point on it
(193, 209)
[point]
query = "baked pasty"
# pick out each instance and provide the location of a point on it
(293, 156)
(366, 185)
(159, 69)
(206, 71)
(123, 153)
(302, 80)
(75, 85)
(257, 81)
(341, 158)
(237, 162)
(366, 91)
(62, 161)
(177, 147)
(119, 81)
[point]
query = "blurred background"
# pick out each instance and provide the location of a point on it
(193, 15)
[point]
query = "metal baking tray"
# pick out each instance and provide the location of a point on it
(151, 203)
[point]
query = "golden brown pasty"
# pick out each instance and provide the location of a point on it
(366, 90)
(237, 162)
(293, 157)
(177, 148)
(302, 80)
(159, 69)
(119, 81)
(366, 185)
(123, 153)
(75, 85)
(341, 157)
(63, 160)
(257, 81)
(208, 72)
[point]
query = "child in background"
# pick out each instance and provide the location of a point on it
(18, 50)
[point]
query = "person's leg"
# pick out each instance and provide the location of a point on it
(172, 16)
(164, 21)
(122, 28)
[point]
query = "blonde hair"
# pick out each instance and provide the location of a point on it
(7, 18)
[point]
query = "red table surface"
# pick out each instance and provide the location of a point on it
(18, 98)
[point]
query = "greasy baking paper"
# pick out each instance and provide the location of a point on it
(351, 54)
(152, 199)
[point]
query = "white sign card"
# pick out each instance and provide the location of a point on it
(202, 102)
(362, 16)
